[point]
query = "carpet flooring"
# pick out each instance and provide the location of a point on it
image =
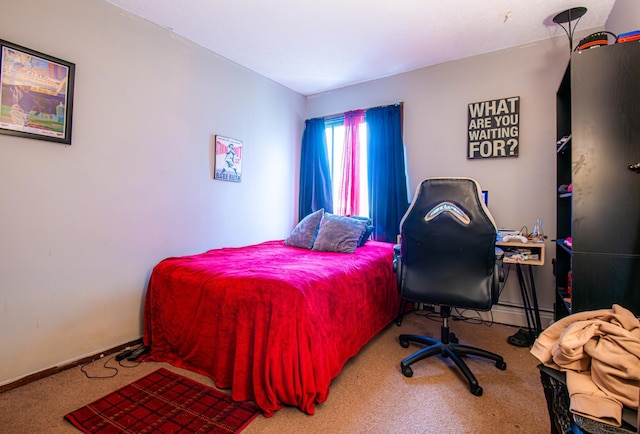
(369, 396)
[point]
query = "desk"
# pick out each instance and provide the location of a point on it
(527, 289)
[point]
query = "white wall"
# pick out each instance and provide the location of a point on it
(521, 188)
(81, 226)
(624, 17)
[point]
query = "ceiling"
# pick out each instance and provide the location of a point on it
(316, 46)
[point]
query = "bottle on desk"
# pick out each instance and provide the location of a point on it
(537, 235)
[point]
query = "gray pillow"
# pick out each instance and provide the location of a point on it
(368, 229)
(304, 234)
(339, 234)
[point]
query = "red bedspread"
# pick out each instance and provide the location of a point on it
(274, 323)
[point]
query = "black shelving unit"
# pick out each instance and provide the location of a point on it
(598, 133)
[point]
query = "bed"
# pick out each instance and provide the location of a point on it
(272, 322)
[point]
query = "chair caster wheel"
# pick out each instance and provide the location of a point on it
(406, 370)
(452, 338)
(404, 343)
(476, 390)
(501, 365)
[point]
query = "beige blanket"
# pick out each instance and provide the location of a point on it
(599, 351)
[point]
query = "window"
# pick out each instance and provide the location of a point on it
(335, 131)
(382, 154)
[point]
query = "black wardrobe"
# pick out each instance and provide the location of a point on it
(598, 154)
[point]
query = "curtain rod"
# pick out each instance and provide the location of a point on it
(337, 115)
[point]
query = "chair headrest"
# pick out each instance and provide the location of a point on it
(448, 208)
(458, 197)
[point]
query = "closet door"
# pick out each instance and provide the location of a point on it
(605, 101)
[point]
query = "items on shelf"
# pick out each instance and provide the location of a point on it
(515, 238)
(503, 233)
(516, 252)
(564, 188)
(594, 40)
(628, 36)
(537, 234)
(562, 143)
(520, 254)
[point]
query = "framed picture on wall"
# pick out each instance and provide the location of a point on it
(228, 159)
(36, 94)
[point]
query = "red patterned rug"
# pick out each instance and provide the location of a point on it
(165, 402)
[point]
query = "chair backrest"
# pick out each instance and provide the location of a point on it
(448, 239)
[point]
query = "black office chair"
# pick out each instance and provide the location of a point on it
(448, 257)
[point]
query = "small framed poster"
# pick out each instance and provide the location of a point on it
(228, 159)
(36, 94)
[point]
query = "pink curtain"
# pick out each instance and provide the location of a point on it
(349, 193)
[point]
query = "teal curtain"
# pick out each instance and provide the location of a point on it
(388, 199)
(315, 177)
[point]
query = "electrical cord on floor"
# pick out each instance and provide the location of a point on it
(115, 370)
(110, 368)
(478, 319)
(458, 316)
(429, 314)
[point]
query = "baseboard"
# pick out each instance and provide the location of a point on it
(56, 369)
(510, 315)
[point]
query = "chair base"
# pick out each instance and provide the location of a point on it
(452, 350)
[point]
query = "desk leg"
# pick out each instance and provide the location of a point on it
(532, 313)
(525, 298)
(534, 296)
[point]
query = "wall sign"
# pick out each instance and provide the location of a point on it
(494, 128)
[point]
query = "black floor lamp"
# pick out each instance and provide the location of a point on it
(567, 17)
